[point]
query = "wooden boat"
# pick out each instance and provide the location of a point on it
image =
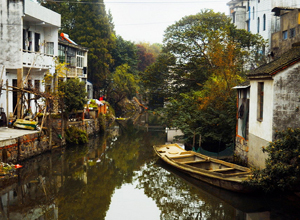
(26, 124)
(213, 171)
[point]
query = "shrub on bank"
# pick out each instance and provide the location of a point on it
(102, 123)
(282, 171)
(76, 136)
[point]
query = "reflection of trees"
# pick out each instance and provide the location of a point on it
(177, 200)
(79, 183)
(124, 155)
(131, 149)
(75, 183)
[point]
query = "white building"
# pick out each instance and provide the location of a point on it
(75, 57)
(269, 101)
(256, 16)
(29, 43)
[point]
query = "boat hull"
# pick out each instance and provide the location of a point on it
(26, 124)
(213, 171)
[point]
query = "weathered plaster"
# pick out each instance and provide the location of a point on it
(256, 157)
(261, 129)
(287, 98)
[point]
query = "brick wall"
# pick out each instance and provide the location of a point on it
(17, 149)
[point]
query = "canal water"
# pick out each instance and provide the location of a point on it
(118, 176)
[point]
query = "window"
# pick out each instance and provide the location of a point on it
(258, 1)
(61, 53)
(284, 35)
(80, 58)
(248, 25)
(292, 32)
(71, 61)
(29, 41)
(50, 48)
(260, 101)
(37, 39)
(71, 56)
(253, 14)
(264, 22)
(233, 17)
(258, 25)
(25, 39)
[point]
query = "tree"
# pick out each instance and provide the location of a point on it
(123, 84)
(88, 25)
(155, 79)
(73, 94)
(154, 49)
(125, 52)
(145, 58)
(210, 56)
(204, 44)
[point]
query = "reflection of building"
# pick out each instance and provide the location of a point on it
(75, 56)
(28, 45)
(173, 135)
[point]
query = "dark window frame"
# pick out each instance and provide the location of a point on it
(260, 101)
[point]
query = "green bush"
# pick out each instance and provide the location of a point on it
(76, 136)
(282, 171)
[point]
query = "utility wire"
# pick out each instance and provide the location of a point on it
(128, 2)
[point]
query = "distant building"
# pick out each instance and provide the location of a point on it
(29, 43)
(75, 56)
(288, 32)
(257, 17)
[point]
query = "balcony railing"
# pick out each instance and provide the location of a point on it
(75, 72)
(37, 60)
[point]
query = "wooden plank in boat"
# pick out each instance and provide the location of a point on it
(195, 161)
(223, 169)
(177, 156)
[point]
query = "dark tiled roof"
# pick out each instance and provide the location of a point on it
(242, 85)
(287, 59)
(278, 10)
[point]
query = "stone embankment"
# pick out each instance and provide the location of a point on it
(18, 144)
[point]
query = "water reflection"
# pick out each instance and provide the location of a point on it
(85, 182)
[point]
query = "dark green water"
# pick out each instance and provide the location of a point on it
(119, 177)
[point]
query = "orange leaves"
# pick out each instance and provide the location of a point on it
(225, 72)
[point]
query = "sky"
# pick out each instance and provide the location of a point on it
(146, 20)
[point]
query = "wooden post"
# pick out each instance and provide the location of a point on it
(194, 139)
(200, 140)
(50, 131)
(19, 85)
(62, 123)
(55, 101)
(7, 113)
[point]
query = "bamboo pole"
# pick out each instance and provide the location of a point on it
(194, 139)
(43, 118)
(7, 116)
(19, 94)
